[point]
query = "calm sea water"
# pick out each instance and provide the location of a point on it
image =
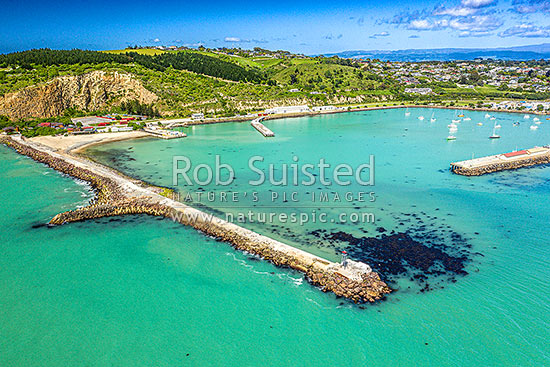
(143, 291)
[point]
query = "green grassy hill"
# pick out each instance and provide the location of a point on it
(231, 81)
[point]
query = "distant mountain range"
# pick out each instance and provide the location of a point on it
(531, 52)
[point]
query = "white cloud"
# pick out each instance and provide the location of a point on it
(459, 11)
(156, 40)
(426, 25)
(526, 30)
(468, 18)
(381, 34)
(477, 3)
(232, 39)
(476, 23)
(531, 6)
(474, 34)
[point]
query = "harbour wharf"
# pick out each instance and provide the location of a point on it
(501, 162)
(165, 134)
(257, 124)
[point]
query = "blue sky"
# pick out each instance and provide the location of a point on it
(307, 26)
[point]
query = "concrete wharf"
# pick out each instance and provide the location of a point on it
(257, 124)
(501, 162)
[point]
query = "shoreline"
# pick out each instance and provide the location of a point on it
(351, 109)
(79, 147)
(117, 195)
(79, 143)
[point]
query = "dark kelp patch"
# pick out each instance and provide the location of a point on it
(424, 257)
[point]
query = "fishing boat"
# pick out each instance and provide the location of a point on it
(533, 127)
(451, 137)
(421, 118)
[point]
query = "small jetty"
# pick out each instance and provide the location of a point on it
(257, 124)
(501, 162)
(165, 134)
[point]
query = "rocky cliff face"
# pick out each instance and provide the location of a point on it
(90, 91)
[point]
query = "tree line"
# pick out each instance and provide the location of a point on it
(133, 107)
(183, 60)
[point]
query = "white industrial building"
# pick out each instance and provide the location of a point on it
(287, 109)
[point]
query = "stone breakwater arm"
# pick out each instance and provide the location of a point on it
(117, 195)
(501, 162)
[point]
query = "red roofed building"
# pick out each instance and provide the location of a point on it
(515, 154)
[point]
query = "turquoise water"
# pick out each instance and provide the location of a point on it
(142, 291)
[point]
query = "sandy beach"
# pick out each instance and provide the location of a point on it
(76, 143)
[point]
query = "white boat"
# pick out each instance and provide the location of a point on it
(516, 123)
(453, 130)
(421, 118)
(456, 121)
(467, 119)
(487, 115)
(525, 116)
(480, 124)
(497, 126)
(451, 137)
(407, 113)
(536, 119)
(533, 127)
(432, 119)
(493, 118)
(538, 122)
(451, 125)
(495, 136)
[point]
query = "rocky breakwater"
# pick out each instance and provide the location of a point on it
(502, 162)
(352, 280)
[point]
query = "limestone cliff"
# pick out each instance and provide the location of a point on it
(91, 91)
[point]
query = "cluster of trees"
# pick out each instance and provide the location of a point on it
(135, 108)
(338, 61)
(472, 78)
(185, 60)
(208, 65)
